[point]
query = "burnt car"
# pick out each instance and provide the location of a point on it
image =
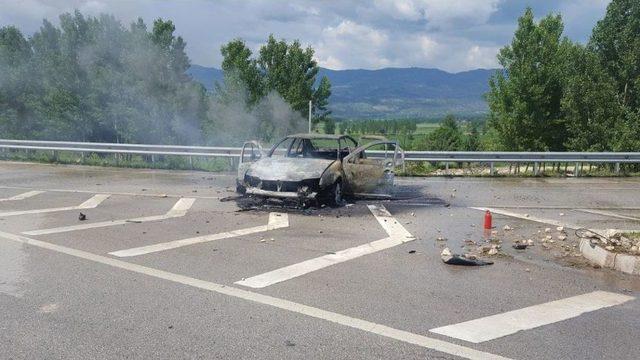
(317, 167)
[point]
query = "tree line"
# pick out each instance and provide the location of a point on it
(93, 79)
(554, 95)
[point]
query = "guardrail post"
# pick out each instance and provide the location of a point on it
(576, 170)
(492, 169)
(153, 159)
(191, 162)
(617, 168)
(536, 168)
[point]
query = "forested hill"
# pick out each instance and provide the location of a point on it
(394, 92)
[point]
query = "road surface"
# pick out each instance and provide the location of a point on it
(161, 268)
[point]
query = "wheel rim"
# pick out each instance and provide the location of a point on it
(338, 193)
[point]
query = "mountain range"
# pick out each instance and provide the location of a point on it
(393, 92)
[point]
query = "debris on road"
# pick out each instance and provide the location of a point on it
(82, 217)
(613, 240)
(412, 251)
(520, 245)
(507, 228)
(455, 259)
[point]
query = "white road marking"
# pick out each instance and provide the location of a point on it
(22, 196)
(111, 193)
(276, 221)
(351, 322)
(397, 236)
(497, 326)
(608, 213)
(530, 217)
(178, 210)
(89, 204)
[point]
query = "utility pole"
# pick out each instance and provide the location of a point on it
(310, 116)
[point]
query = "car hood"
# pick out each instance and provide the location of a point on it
(288, 169)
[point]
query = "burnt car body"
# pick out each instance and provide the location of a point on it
(318, 167)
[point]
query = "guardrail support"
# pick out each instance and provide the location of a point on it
(492, 169)
(536, 169)
(617, 168)
(576, 170)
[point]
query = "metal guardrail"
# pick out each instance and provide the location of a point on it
(490, 158)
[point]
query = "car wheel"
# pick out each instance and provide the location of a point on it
(333, 195)
(240, 189)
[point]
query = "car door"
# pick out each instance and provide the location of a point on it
(370, 169)
(251, 152)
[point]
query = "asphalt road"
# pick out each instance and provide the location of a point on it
(161, 268)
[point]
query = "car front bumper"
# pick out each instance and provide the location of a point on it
(281, 194)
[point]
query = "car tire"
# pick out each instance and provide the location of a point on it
(333, 194)
(240, 189)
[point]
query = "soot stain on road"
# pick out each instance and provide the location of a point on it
(409, 195)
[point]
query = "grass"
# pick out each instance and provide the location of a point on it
(120, 160)
(222, 164)
(425, 128)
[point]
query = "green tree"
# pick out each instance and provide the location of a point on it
(280, 67)
(329, 126)
(241, 70)
(589, 106)
(616, 42)
(472, 137)
(447, 137)
(524, 97)
(15, 112)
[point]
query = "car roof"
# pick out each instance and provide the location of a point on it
(317, 136)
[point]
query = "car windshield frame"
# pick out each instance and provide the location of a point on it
(313, 141)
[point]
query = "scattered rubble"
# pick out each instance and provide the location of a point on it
(82, 217)
(455, 259)
(615, 241)
(507, 228)
(520, 245)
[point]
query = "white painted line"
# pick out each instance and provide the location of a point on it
(22, 196)
(389, 223)
(397, 236)
(276, 221)
(305, 267)
(530, 217)
(179, 209)
(351, 322)
(497, 326)
(608, 213)
(89, 204)
(111, 193)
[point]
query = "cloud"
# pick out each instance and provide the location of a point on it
(453, 35)
(438, 12)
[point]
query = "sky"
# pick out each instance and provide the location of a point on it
(452, 35)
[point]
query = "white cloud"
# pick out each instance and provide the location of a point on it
(482, 57)
(453, 35)
(439, 12)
